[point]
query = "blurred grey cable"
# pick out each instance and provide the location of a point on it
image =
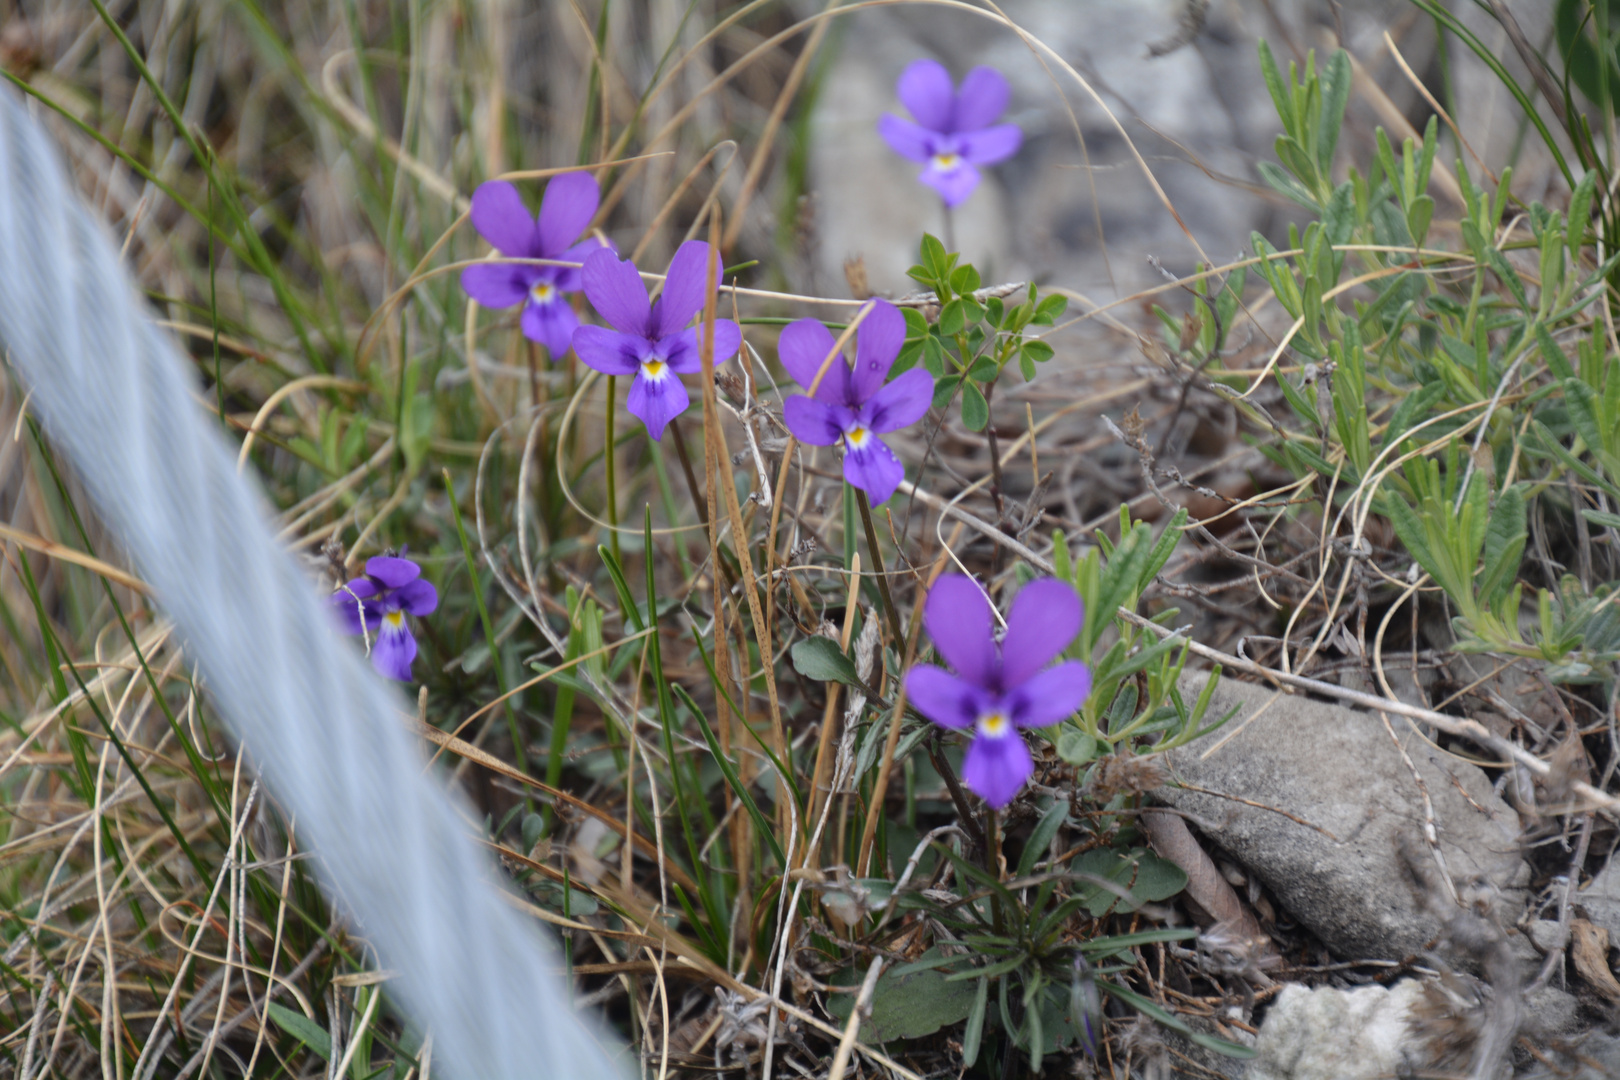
(116, 397)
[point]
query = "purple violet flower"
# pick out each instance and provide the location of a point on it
(954, 130)
(998, 690)
(378, 603)
(855, 407)
(501, 218)
(651, 340)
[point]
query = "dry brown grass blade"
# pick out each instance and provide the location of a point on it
(728, 485)
(51, 549)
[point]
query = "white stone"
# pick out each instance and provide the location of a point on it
(1330, 1034)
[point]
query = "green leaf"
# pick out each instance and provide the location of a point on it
(975, 1024)
(1280, 97)
(975, 410)
(1038, 351)
(1335, 81)
(1504, 545)
(629, 610)
(1148, 877)
(1076, 747)
(1285, 185)
(1580, 213)
(1409, 530)
(301, 1028)
(1051, 308)
(1602, 520)
(965, 280)
(1041, 838)
(821, 659)
(729, 771)
(907, 1006)
(1169, 537)
(935, 260)
(952, 318)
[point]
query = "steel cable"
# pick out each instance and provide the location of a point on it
(115, 396)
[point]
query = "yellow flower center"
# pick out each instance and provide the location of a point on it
(947, 162)
(394, 619)
(857, 437)
(542, 292)
(995, 724)
(653, 369)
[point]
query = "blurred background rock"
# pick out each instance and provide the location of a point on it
(1073, 207)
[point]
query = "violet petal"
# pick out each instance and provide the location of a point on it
(874, 469)
(496, 285)
(354, 607)
(1050, 696)
(609, 351)
(911, 141)
(943, 698)
(684, 289)
(803, 348)
(727, 340)
(877, 342)
(392, 571)
(616, 291)
(567, 278)
(995, 768)
(418, 598)
(657, 401)
(814, 423)
(982, 99)
(954, 184)
(901, 403)
(1042, 622)
(501, 218)
(393, 651)
(552, 324)
(957, 617)
(925, 89)
(566, 210)
(990, 145)
(681, 350)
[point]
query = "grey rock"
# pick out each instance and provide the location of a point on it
(1601, 900)
(1551, 1014)
(1547, 936)
(1074, 206)
(1339, 770)
(1332, 1034)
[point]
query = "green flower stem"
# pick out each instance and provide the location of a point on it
(995, 454)
(608, 456)
(877, 563)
